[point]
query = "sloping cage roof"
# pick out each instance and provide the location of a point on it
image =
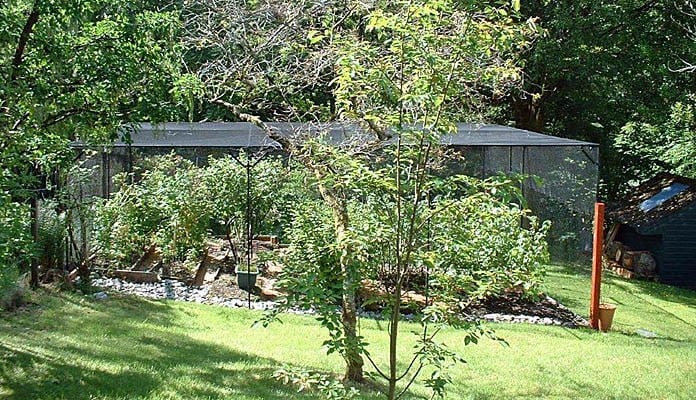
(655, 199)
(243, 134)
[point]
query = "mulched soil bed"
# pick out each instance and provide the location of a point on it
(225, 287)
(516, 308)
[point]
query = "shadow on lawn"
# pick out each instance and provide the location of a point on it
(653, 289)
(591, 386)
(647, 292)
(549, 382)
(646, 299)
(657, 290)
(108, 353)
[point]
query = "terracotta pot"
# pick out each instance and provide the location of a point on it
(606, 316)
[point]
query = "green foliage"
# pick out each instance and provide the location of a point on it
(251, 269)
(52, 234)
(15, 243)
(602, 71)
(423, 57)
(418, 68)
(227, 199)
(274, 188)
(482, 246)
(669, 144)
(187, 90)
(85, 69)
(75, 207)
(271, 59)
(77, 71)
(306, 380)
(475, 246)
(418, 58)
(175, 205)
(14, 237)
(312, 275)
(312, 272)
(167, 208)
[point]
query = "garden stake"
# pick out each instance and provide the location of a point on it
(598, 241)
(250, 237)
(249, 164)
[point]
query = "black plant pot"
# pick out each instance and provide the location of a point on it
(246, 280)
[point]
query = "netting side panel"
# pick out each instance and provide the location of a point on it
(564, 192)
(119, 162)
(85, 184)
(465, 161)
(497, 159)
(89, 176)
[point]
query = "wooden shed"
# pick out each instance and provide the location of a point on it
(660, 217)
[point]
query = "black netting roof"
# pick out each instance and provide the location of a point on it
(243, 134)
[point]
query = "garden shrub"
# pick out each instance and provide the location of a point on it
(485, 247)
(312, 273)
(175, 205)
(275, 188)
(15, 248)
(52, 233)
(479, 243)
(167, 208)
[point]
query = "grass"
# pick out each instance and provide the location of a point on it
(74, 347)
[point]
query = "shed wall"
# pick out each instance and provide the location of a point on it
(677, 261)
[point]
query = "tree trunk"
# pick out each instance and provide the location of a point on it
(353, 358)
(339, 207)
(528, 113)
(34, 203)
(393, 340)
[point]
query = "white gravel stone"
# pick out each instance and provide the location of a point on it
(177, 290)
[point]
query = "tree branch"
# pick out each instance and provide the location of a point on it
(379, 371)
(284, 142)
(57, 118)
(631, 14)
(23, 39)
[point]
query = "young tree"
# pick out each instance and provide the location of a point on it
(263, 61)
(418, 68)
(393, 66)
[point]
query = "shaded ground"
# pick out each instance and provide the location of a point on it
(226, 287)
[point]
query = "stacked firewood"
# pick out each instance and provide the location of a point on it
(626, 261)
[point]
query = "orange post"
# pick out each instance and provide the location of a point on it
(598, 242)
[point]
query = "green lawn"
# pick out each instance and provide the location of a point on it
(73, 347)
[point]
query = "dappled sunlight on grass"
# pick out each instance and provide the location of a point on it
(73, 347)
(666, 310)
(126, 348)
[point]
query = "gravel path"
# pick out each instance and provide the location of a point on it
(224, 292)
(175, 290)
